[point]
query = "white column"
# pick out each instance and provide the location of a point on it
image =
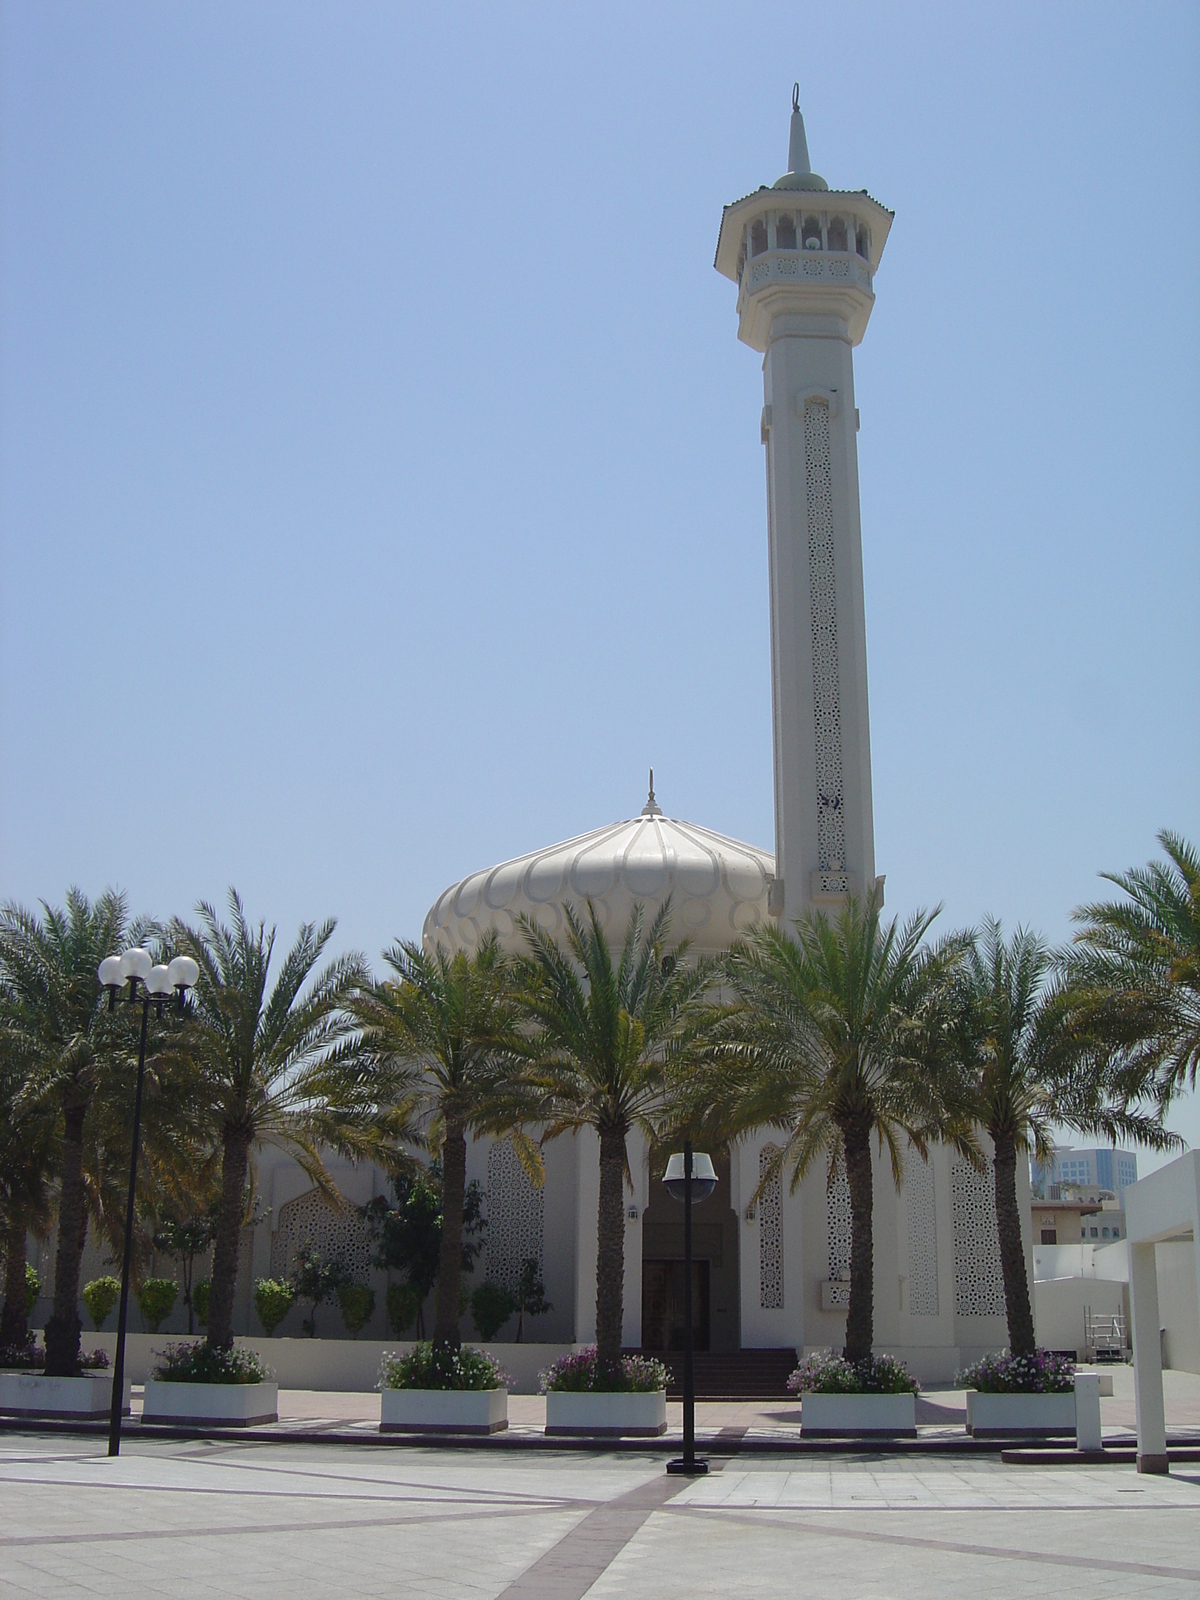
(1088, 1431)
(1147, 1360)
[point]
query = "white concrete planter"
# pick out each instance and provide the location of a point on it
(840, 1414)
(991, 1416)
(31, 1394)
(607, 1415)
(230, 1405)
(443, 1410)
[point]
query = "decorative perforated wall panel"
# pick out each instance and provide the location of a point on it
(978, 1281)
(837, 1207)
(922, 1237)
(339, 1236)
(515, 1212)
(770, 1233)
(822, 581)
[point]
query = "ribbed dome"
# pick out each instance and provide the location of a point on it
(718, 887)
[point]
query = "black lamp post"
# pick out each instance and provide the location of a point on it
(158, 984)
(689, 1177)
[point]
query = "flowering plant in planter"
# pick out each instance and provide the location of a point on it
(1043, 1372)
(95, 1361)
(427, 1366)
(581, 1373)
(201, 1363)
(22, 1357)
(826, 1372)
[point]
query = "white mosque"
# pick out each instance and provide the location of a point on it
(771, 1273)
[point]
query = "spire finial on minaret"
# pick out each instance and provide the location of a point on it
(651, 808)
(797, 143)
(799, 174)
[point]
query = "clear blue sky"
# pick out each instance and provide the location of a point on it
(381, 481)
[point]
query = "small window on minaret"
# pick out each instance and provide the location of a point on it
(864, 244)
(812, 233)
(758, 238)
(785, 233)
(837, 233)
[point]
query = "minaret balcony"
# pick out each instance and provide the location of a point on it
(834, 288)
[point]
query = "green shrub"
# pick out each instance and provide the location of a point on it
(531, 1296)
(200, 1301)
(200, 1363)
(100, 1296)
(425, 1367)
(826, 1372)
(272, 1301)
(357, 1302)
(157, 1297)
(33, 1288)
(491, 1307)
(403, 1302)
(581, 1372)
(315, 1280)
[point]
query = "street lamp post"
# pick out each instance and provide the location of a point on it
(689, 1177)
(157, 983)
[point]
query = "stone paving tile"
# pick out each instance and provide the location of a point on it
(182, 1519)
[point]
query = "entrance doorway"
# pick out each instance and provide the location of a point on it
(663, 1325)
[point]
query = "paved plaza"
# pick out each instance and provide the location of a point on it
(230, 1518)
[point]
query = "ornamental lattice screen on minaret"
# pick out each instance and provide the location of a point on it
(804, 258)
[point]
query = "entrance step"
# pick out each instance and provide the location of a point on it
(730, 1375)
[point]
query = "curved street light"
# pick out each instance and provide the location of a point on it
(157, 983)
(689, 1177)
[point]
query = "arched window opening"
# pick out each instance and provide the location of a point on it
(785, 233)
(812, 233)
(864, 244)
(758, 238)
(837, 234)
(741, 260)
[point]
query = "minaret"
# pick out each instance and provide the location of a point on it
(804, 258)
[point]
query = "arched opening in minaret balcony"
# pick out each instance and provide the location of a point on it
(785, 232)
(836, 234)
(864, 242)
(812, 233)
(758, 237)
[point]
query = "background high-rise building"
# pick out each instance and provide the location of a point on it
(1087, 1169)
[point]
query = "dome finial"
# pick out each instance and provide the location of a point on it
(651, 809)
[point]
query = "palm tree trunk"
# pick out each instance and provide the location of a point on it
(234, 1162)
(860, 1316)
(454, 1185)
(1021, 1340)
(610, 1251)
(63, 1327)
(13, 1322)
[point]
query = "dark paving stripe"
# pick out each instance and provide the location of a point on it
(571, 1567)
(238, 1530)
(1142, 1569)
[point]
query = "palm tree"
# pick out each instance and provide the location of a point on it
(833, 1036)
(264, 1057)
(28, 1152)
(1137, 969)
(57, 1025)
(605, 1035)
(1032, 1066)
(441, 1035)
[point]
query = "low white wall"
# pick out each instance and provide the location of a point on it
(350, 1365)
(1059, 1305)
(1176, 1260)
